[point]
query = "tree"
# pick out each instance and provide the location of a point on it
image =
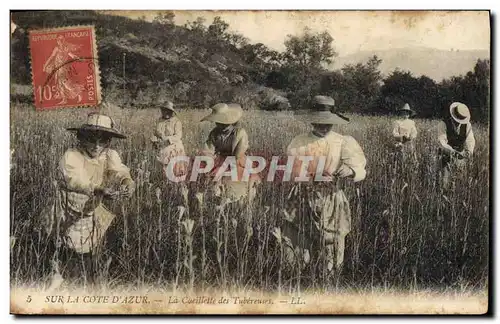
(482, 89)
(309, 49)
(363, 82)
(355, 87)
(259, 54)
(426, 98)
(218, 29)
(422, 94)
(333, 84)
(302, 65)
(473, 89)
(238, 40)
(399, 87)
(197, 26)
(165, 18)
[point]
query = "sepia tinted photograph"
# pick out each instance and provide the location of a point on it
(250, 162)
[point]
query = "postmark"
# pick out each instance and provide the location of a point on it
(65, 67)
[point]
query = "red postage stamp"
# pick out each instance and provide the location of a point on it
(65, 68)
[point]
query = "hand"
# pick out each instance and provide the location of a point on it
(127, 188)
(106, 193)
(344, 171)
(460, 155)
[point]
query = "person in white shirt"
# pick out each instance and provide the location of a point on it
(167, 139)
(456, 142)
(324, 220)
(88, 174)
(404, 133)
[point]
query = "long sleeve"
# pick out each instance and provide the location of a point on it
(395, 131)
(297, 148)
(177, 134)
(242, 143)
(160, 131)
(116, 169)
(443, 139)
(352, 155)
(470, 141)
(413, 131)
(73, 175)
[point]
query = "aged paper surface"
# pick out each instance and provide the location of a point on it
(250, 162)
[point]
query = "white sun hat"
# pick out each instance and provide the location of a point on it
(223, 113)
(460, 112)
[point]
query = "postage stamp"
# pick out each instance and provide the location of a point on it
(64, 67)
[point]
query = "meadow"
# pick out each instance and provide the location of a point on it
(406, 233)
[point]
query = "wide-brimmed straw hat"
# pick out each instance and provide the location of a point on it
(223, 113)
(99, 123)
(321, 112)
(406, 108)
(165, 104)
(460, 112)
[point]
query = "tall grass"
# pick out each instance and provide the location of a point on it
(406, 233)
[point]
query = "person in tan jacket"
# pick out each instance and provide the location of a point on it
(88, 174)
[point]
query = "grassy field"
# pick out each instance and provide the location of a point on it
(406, 234)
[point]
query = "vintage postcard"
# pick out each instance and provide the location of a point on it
(250, 162)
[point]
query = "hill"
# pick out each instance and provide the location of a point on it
(436, 64)
(198, 65)
(157, 58)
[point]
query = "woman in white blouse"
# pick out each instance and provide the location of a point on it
(88, 174)
(404, 133)
(326, 219)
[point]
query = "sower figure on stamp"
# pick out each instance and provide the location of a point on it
(229, 140)
(404, 133)
(167, 139)
(456, 142)
(89, 174)
(319, 217)
(59, 64)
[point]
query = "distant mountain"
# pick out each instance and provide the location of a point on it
(436, 64)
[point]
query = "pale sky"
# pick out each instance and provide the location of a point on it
(354, 30)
